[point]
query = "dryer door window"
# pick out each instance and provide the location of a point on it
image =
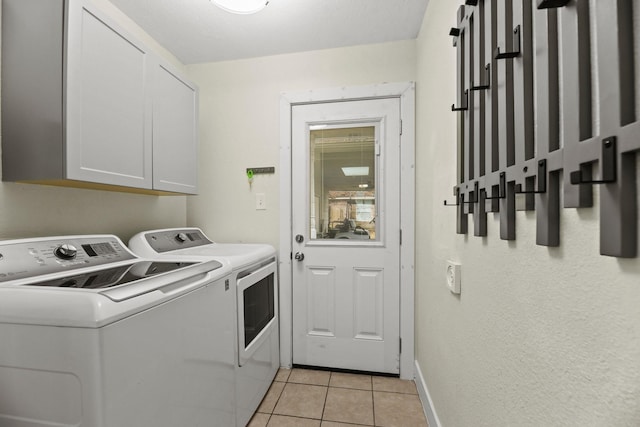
(258, 301)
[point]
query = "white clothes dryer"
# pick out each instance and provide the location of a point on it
(254, 273)
(94, 336)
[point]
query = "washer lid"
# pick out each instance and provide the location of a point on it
(114, 276)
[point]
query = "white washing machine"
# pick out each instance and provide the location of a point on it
(254, 272)
(93, 336)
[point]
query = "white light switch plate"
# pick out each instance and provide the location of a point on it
(261, 201)
(453, 276)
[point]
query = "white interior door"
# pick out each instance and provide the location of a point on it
(346, 230)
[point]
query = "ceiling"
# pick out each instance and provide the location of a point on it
(196, 31)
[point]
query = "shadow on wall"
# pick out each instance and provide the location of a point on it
(29, 210)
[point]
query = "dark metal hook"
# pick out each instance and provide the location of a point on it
(502, 192)
(608, 165)
(487, 83)
(516, 46)
(550, 4)
(541, 180)
(458, 201)
(464, 107)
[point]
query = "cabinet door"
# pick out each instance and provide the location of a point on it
(175, 108)
(108, 101)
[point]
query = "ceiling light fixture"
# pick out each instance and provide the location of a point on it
(356, 171)
(243, 7)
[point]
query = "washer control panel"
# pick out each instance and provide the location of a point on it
(24, 258)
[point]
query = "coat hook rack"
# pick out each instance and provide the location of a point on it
(487, 79)
(550, 4)
(541, 180)
(608, 165)
(464, 107)
(502, 192)
(534, 137)
(516, 47)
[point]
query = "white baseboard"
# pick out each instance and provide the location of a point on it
(425, 398)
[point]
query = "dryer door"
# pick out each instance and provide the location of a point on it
(257, 309)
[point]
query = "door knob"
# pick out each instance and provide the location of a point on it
(299, 256)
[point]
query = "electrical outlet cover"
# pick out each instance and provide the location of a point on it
(453, 276)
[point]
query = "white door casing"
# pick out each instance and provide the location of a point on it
(365, 274)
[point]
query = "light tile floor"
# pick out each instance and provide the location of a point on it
(305, 397)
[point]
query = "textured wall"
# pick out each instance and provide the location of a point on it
(28, 210)
(240, 117)
(539, 336)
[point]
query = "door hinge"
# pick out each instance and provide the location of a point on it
(400, 236)
(400, 127)
(400, 345)
(290, 255)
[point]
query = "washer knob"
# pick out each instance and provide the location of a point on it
(181, 237)
(66, 251)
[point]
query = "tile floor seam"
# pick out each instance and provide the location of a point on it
(298, 416)
(373, 403)
(324, 405)
(351, 388)
(395, 392)
(277, 401)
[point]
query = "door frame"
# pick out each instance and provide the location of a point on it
(406, 93)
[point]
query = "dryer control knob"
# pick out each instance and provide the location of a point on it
(181, 237)
(66, 251)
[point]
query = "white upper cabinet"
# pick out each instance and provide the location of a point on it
(175, 143)
(85, 103)
(108, 114)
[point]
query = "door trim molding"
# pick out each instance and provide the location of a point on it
(406, 93)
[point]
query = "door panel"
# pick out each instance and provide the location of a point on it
(321, 319)
(345, 203)
(368, 286)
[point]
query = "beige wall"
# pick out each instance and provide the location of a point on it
(239, 127)
(28, 210)
(539, 336)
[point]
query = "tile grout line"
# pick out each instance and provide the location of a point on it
(279, 396)
(324, 405)
(373, 403)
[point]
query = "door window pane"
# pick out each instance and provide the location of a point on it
(343, 176)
